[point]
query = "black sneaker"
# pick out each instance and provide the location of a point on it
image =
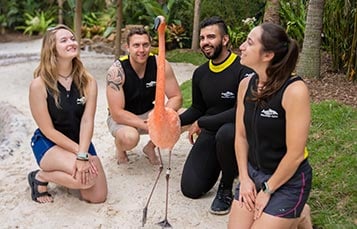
(222, 202)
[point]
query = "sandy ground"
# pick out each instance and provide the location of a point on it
(129, 185)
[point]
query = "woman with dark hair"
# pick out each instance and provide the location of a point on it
(63, 98)
(272, 126)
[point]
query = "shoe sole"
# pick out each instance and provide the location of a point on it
(219, 212)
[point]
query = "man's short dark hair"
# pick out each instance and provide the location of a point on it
(137, 31)
(215, 20)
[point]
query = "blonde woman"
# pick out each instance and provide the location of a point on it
(63, 97)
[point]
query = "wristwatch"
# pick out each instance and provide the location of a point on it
(266, 189)
(82, 156)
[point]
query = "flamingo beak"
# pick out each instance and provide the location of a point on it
(157, 22)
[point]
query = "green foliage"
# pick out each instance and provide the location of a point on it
(37, 23)
(176, 35)
(293, 17)
(98, 23)
(10, 14)
(185, 56)
(238, 34)
(339, 29)
(232, 11)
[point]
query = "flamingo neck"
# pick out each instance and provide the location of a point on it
(160, 79)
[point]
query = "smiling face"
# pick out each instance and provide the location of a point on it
(66, 44)
(139, 48)
(212, 42)
(251, 49)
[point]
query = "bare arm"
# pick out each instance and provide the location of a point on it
(39, 110)
(172, 88)
(116, 98)
(248, 191)
(296, 103)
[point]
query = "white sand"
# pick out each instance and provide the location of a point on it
(129, 185)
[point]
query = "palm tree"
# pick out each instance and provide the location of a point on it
(78, 20)
(309, 63)
(196, 22)
(119, 16)
(271, 13)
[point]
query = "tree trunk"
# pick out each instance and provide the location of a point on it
(196, 24)
(78, 21)
(352, 62)
(271, 13)
(60, 11)
(309, 63)
(118, 51)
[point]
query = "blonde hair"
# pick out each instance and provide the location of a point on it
(47, 69)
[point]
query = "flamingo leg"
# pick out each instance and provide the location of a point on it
(165, 223)
(145, 210)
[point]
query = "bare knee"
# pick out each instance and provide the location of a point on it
(127, 139)
(95, 198)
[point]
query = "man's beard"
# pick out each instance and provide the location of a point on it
(216, 53)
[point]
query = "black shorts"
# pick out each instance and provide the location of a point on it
(40, 145)
(287, 201)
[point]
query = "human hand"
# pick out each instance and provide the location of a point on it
(193, 132)
(83, 170)
(260, 203)
(247, 194)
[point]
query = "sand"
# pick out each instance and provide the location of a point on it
(129, 185)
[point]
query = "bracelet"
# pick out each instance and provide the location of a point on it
(82, 156)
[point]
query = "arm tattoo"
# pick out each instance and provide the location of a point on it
(115, 76)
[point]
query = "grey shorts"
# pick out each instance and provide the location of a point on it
(289, 200)
(114, 126)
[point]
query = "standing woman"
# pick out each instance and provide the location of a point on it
(272, 123)
(63, 98)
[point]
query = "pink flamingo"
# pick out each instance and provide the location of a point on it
(163, 122)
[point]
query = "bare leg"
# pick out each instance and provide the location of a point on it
(145, 210)
(149, 151)
(122, 157)
(305, 218)
(166, 223)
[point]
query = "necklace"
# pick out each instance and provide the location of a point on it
(65, 77)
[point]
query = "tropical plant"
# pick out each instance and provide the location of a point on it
(10, 13)
(341, 42)
(238, 34)
(37, 23)
(293, 18)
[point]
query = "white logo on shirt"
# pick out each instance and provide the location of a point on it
(151, 84)
(227, 95)
(269, 113)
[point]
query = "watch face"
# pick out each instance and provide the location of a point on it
(264, 187)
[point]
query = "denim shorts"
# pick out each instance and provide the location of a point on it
(40, 145)
(289, 199)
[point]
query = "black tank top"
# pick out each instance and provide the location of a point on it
(265, 127)
(139, 93)
(67, 118)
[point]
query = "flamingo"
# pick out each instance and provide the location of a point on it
(163, 122)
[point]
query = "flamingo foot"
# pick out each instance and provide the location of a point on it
(164, 224)
(145, 212)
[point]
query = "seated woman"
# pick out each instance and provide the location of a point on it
(63, 98)
(272, 126)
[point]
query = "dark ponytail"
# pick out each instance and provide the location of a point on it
(286, 52)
